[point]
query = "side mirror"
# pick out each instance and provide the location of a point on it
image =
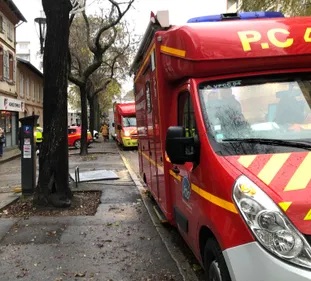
(119, 127)
(181, 149)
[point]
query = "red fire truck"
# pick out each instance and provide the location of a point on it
(223, 115)
(125, 124)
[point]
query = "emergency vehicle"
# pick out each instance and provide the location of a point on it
(223, 115)
(125, 124)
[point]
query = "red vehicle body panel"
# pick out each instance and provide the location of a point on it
(126, 109)
(77, 136)
(177, 60)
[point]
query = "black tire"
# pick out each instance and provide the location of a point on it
(77, 144)
(214, 262)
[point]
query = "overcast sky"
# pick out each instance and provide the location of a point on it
(179, 11)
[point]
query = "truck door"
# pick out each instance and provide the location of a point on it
(153, 182)
(185, 206)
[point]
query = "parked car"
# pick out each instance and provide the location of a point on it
(74, 136)
(95, 135)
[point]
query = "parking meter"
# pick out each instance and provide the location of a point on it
(29, 157)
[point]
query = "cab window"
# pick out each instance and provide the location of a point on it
(186, 116)
(260, 114)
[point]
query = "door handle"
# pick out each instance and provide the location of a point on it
(176, 170)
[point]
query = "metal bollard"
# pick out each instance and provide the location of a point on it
(77, 176)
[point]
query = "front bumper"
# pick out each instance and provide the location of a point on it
(251, 262)
(128, 142)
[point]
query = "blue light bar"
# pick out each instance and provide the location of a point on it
(237, 16)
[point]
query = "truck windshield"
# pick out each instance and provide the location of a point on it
(129, 121)
(259, 114)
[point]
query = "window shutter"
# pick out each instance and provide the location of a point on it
(14, 70)
(33, 90)
(21, 85)
(1, 24)
(28, 88)
(5, 65)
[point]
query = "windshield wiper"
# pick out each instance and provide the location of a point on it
(289, 143)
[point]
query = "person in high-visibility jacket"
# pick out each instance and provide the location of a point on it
(39, 136)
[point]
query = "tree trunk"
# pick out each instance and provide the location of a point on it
(84, 123)
(53, 184)
(97, 115)
(92, 113)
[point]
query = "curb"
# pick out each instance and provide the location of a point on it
(182, 264)
(10, 158)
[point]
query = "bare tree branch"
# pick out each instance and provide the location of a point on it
(101, 89)
(88, 32)
(112, 23)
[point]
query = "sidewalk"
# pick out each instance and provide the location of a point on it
(119, 243)
(10, 154)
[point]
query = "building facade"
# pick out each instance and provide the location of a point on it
(23, 50)
(74, 116)
(30, 89)
(10, 106)
(233, 5)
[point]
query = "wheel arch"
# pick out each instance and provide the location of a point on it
(204, 235)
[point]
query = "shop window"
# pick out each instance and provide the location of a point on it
(8, 121)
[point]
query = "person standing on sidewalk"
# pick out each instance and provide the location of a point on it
(2, 141)
(105, 132)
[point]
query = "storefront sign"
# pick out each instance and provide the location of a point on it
(11, 104)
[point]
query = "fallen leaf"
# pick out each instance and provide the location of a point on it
(80, 274)
(196, 267)
(117, 223)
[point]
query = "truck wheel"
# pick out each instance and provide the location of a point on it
(77, 144)
(214, 262)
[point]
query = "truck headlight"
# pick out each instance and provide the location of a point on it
(269, 224)
(127, 133)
